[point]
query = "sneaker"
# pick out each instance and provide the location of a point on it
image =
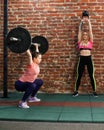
(34, 99)
(23, 105)
(75, 94)
(95, 94)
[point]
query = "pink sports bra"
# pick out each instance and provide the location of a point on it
(88, 46)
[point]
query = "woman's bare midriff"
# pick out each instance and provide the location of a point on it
(85, 52)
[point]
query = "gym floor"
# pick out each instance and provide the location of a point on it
(54, 108)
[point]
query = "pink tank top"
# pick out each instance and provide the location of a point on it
(31, 73)
(89, 46)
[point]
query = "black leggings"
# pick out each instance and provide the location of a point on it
(85, 60)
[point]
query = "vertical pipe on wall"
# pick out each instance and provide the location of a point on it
(5, 90)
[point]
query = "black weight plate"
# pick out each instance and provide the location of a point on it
(43, 43)
(22, 44)
(32, 48)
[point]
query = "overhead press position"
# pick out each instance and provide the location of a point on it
(85, 44)
(28, 82)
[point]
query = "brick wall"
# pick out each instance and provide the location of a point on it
(58, 21)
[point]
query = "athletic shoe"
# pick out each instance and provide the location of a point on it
(95, 94)
(23, 105)
(75, 94)
(34, 99)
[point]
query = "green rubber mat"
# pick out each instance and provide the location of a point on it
(54, 108)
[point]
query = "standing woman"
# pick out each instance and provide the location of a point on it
(28, 82)
(85, 44)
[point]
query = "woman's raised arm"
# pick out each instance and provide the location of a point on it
(80, 31)
(90, 30)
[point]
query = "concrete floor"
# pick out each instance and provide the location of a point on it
(14, 125)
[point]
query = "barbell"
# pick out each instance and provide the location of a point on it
(19, 40)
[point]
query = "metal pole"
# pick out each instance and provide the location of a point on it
(5, 90)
